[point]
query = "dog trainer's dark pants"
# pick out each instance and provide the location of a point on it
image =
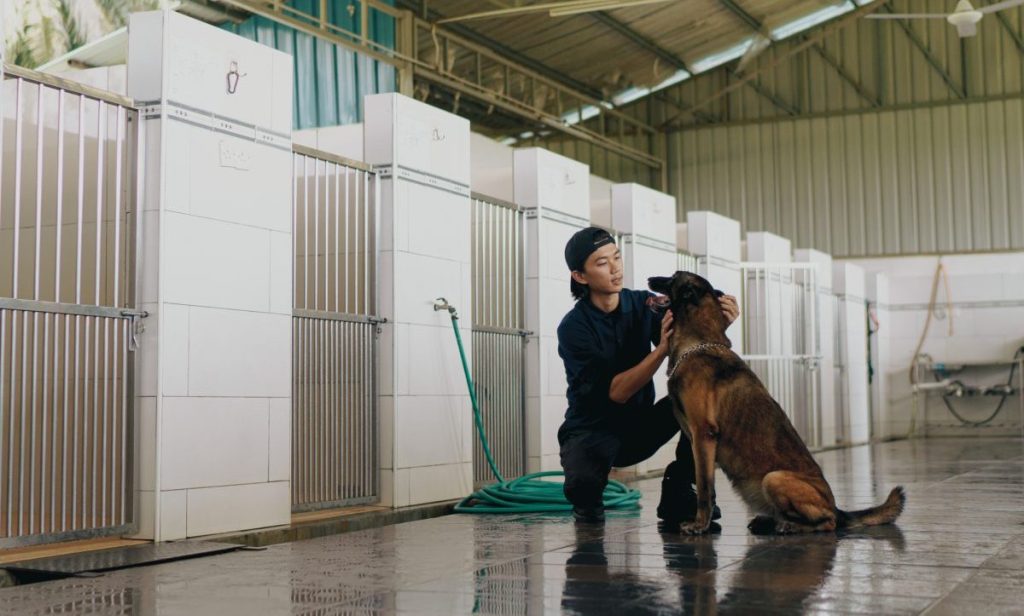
(588, 456)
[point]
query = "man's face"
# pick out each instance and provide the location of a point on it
(603, 270)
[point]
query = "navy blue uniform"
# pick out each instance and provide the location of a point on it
(599, 433)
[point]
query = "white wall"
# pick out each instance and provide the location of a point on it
(601, 202)
(213, 408)
(425, 411)
(987, 291)
(491, 167)
(346, 140)
(555, 192)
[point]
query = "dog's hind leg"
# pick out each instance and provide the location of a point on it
(802, 503)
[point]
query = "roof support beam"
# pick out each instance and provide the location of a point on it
(1017, 40)
(508, 52)
(928, 55)
(826, 30)
(870, 97)
(663, 54)
(674, 60)
(756, 25)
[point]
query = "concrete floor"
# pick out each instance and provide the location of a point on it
(959, 549)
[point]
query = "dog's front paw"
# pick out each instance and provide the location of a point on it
(694, 528)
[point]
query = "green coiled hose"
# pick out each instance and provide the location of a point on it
(529, 493)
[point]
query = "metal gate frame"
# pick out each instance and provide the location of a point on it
(787, 361)
(335, 333)
(498, 314)
(84, 506)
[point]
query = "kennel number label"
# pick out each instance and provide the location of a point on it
(235, 156)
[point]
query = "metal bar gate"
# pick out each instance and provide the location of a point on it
(498, 335)
(334, 336)
(68, 237)
(782, 339)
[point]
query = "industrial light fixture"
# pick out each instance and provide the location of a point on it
(964, 18)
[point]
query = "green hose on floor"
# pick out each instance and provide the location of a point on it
(529, 493)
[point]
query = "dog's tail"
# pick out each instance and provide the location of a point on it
(886, 513)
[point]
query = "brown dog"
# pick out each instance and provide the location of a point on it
(731, 419)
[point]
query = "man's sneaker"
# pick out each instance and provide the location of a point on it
(592, 515)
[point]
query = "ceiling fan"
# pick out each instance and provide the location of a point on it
(964, 18)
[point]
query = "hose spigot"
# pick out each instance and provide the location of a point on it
(442, 304)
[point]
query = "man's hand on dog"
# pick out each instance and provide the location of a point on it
(666, 333)
(730, 307)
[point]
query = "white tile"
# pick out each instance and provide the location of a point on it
(419, 281)
(197, 57)
(555, 302)
(552, 416)
(280, 439)
(644, 211)
(152, 195)
(386, 430)
(145, 514)
(177, 181)
(768, 247)
(992, 322)
(429, 139)
(148, 260)
(554, 236)
(434, 367)
(548, 180)
(713, 234)
(173, 513)
(215, 264)
(430, 484)
(233, 353)
(431, 430)
(145, 442)
(394, 487)
(281, 284)
(403, 488)
(173, 358)
(439, 223)
(145, 40)
(556, 381)
(975, 287)
(386, 297)
(213, 442)
(281, 93)
(147, 363)
(1013, 286)
(387, 359)
(240, 181)
(233, 508)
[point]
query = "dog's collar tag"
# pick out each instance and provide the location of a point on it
(697, 348)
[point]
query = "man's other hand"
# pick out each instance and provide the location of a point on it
(730, 307)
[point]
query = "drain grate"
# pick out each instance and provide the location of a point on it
(92, 563)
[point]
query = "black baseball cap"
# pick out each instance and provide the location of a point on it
(582, 244)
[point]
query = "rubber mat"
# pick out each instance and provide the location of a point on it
(86, 563)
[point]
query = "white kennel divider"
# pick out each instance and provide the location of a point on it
(782, 338)
(335, 330)
(499, 334)
(68, 239)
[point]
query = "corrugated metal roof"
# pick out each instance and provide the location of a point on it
(691, 30)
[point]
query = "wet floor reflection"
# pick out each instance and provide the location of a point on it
(768, 576)
(959, 548)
